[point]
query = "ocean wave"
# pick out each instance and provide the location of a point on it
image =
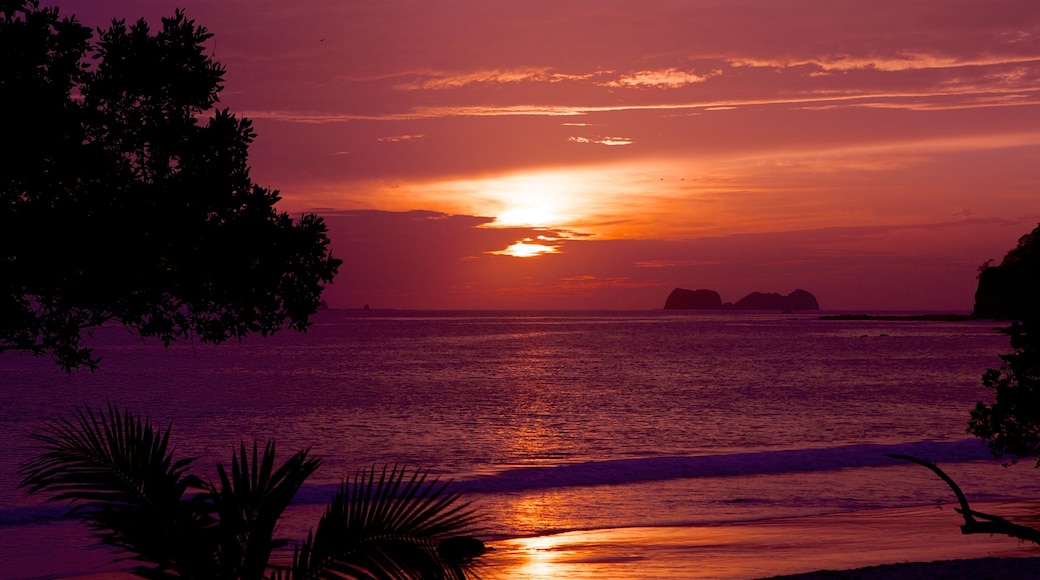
(647, 469)
(32, 514)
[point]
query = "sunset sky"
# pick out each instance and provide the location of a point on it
(596, 153)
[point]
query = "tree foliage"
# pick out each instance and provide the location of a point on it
(120, 476)
(128, 198)
(1011, 425)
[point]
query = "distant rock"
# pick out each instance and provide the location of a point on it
(681, 299)
(1011, 291)
(797, 300)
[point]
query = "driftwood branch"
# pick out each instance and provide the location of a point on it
(990, 524)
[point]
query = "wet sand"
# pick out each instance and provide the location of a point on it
(890, 544)
(977, 569)
(774, 548)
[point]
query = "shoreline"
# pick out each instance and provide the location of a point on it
(907, 541)
(970, 569)
(989, 568)
(893, 543)
(985, 568)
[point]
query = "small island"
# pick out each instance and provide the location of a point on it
(682, 299)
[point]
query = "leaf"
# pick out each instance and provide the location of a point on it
(119, 475)
(249, 503)
(389, 526)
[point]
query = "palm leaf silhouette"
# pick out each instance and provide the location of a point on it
(249, 503)
(119, 475)
(390, 526)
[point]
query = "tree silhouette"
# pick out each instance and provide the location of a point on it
(1011, 290)
(1011, 425)
(127, 198)
(122, 480)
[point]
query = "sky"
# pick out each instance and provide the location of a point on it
(596, 154)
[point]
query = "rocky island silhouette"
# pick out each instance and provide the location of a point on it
(682, 299)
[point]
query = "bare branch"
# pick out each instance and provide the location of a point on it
(991, 525)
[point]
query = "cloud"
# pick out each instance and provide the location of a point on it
(963, 94)
(526, 248)
(401, 138)
(440, 80)
(669, 78)
(613, 141)
(901, 62)
(674, 263)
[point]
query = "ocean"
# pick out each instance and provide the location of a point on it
(553, 423)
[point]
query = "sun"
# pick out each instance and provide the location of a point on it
(542, 200)
(563, 202)
(526, 248)
(538, 200)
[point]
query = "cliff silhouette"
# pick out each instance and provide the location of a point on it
(682, 299)
(1011, 290)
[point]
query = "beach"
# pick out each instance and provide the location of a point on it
(804, 547)
(976, 569)
(889, 544)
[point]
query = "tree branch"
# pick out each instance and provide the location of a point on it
(991, 525)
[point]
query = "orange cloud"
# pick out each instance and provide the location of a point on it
(948, 97)
(446, 80)
(400, 138)
(526, 248)
(903, 62)
(674, 263)
(669, 78)
(602, 140)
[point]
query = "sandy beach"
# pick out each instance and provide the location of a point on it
(922, 542)
(1024, 568)
(814, 547)
(975, 569)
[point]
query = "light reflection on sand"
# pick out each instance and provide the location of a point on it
(753, 550)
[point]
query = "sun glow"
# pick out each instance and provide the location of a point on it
(622, 200)
(546, 199)
(526, 248)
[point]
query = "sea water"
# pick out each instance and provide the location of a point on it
(550, 422)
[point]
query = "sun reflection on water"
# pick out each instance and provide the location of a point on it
(539, 555)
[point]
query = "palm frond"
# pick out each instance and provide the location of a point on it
(391, 526)
(249, 503)
(119, 475)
